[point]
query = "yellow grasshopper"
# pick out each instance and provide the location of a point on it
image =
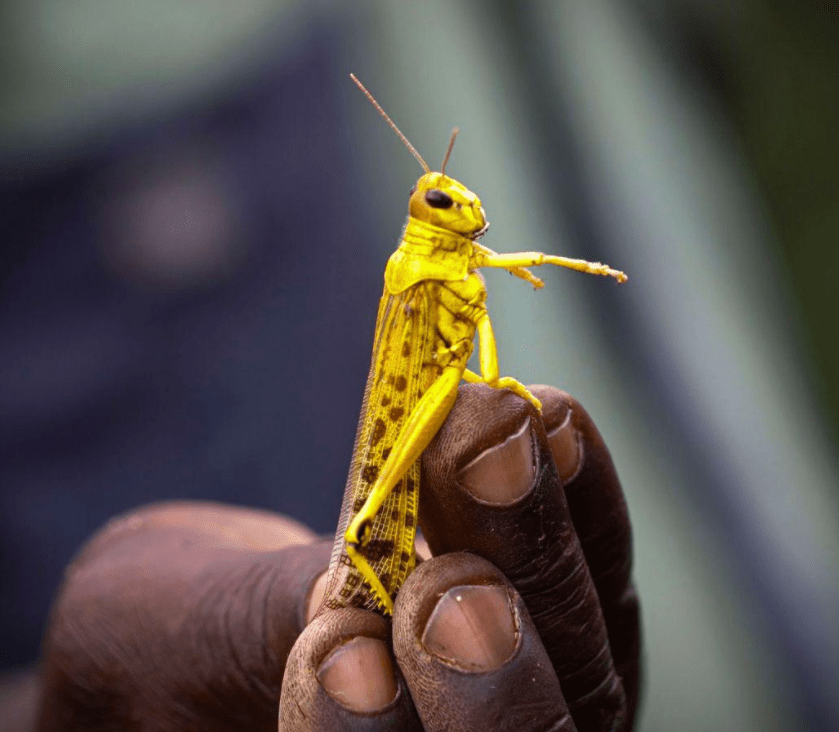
(434, 302)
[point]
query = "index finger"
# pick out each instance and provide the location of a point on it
(490, 486)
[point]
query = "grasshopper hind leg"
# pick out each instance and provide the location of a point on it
(420, 427)
(370, 576)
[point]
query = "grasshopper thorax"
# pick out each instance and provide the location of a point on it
(442, 201)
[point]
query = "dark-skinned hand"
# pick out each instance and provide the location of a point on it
(194, 616)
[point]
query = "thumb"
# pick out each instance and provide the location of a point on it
(341, 675)
(182, 629)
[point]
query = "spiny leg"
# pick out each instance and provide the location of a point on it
(527, 276)
(422, 424)
(517, 260)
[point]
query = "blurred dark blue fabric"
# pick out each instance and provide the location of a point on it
(242, 385)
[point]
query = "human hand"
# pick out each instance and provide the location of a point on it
(179, 616)
(182, 616)
(551, 641)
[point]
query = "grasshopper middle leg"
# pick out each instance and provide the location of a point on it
(489, 365)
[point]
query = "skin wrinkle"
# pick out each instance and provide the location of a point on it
(264, 647)
(604, 542)
(542, 590)
(562, 724)
(592, 703)
(270, 659)
(544, 710)
(213, 622)
(596, 693)
(94, 686)
(597, 665)
(259, 621)
(77, 639)
(573, 614)
(538, 579)
(568, 611)
(218, 634)
(578, 670)
(265, 656)
(232, 620)
(608, 548)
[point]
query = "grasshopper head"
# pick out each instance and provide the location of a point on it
(438, 199)
(442, 201)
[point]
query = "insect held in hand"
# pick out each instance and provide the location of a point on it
(433, 304)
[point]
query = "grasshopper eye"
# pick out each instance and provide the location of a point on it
(438, 199)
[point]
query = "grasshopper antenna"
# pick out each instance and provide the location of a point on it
(393, 125)
(449, 150)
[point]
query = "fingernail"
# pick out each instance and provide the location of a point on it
(567, 449)
(315, 596)
(359, 675)
(472, 627)
(503, 473)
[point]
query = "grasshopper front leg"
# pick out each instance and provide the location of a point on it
(422, 424)
(515, 261)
